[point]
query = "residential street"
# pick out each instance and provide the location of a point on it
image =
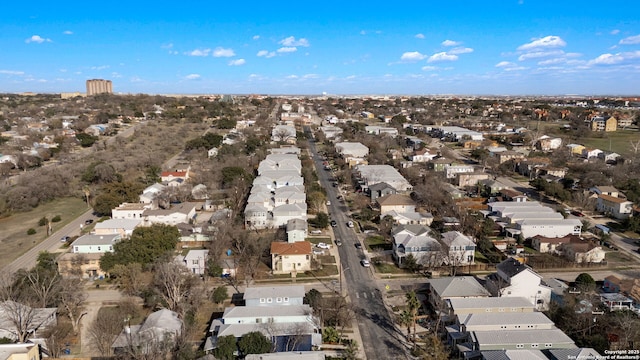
(379, 335)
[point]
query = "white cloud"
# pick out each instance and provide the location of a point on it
(614, 32)
(429, 68)
(631, 40)
(11, 72)
(265, 53)
(199, 52)
(419, 36)
(362, 32)
(412, 56)
(310, 76)
(505, 64)
(116, 75)
(100, 67)
(350, 77)
(37, 39)
(288, 49)
(539, 54)
(222, 52)
(237, 62)
(291, 77)
(256, 37)
(167, 46)
(68, 32)
(442, 56)
(613, 59)
(460, 50)
(545, 42)
(292, 42)
(450, 43)
(192, 77)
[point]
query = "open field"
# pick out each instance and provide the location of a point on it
(14, 238)
(618, 141)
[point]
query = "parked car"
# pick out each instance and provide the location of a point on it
(577, 213)
(350, 223)
(318, 252)
(338, 242)
(316, 232)
(334, 223)
(358, 245)
(365, 263)
(322, 246)
(88, 222)
(65, 238)
(328, 202)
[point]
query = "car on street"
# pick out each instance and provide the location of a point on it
(65, 238)
(322, 245)
(358, 245)
(334, 223)
(88, 222)
(350, 223)
(338, 242)
(328, 202)
(365, 263)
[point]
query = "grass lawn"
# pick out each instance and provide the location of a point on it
(377, 242)
(386, 268)
(617, 140)
(14, 238)
(480, 257)
(617, 257)
(327, 259)
(318, 239)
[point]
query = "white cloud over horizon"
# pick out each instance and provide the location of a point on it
(442, 56)
(266, 54)
(222, 52)
(37, 39)
(287, 49)
(412, 56)
(237, 62)
(545, 42)
(193, 77)
(11, 72)
(292, 42)
(450, 43)
(419, 36)
(630, 40)
(199, 52)
(460, 50)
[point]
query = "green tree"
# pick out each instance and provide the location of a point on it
(230, 173)
(406, 319)
(219, 295)
(212, 268)
(322, 220)
(585, 282)
(115, 193)
(144, 246)
(227, 346)
(410, 263)
(330, 335)
(86, 140)
(254, 343)
(313, 298)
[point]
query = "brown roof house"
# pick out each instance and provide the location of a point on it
(582, 252)
(290, 258)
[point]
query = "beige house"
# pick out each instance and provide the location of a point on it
(585, 252)
(26, 351)
(550, 244)
(86, 266)
(290, 258)
(397, 203)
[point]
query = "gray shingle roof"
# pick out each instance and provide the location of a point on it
(461, 286)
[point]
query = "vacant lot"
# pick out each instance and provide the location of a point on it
(14, 238)
(618, 141)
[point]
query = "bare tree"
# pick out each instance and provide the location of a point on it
(130, 278)
(105, 328)
(173, 283)
(56, 337)
(43, 284)
(20, 318)
(72, 298)
(635, 146)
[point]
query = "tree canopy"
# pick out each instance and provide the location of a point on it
(145, 246)
(254, 343)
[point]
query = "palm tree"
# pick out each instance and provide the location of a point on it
(406, 319)
(413, 305)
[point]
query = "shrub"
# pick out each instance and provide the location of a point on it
(31, 231)
(43, 221)
(56, 218)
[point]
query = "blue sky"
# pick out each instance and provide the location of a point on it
(507, 47)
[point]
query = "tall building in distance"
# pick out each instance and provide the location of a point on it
(99, 86)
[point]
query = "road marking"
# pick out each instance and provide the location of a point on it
(364, 294)
(373, 294)
(358, 295)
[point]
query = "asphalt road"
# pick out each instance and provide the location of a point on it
(379, 335)
(50, 244)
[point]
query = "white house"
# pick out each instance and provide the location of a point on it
(277, 295)
(374, 174)
(122, 227)
(296, 230)
(418, 241)
(130, 210)
(618, 208)
(352, 149)
(452, 170)
(91, 244)
(150, 193)
(515, 279)
(257, 217)
(176, 214)
(195, 260)
(458, 249)
(284, 213)
(280, 162)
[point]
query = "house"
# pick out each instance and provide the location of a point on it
(422, 156)
(616, 301)
(547, 143)
(576, 149)
(508, 155)
(257, 217)
(151, 192)
(130, 210)
(471, 178)
(283, 213)
(380, 189)
(462, 306)
(290, 258)
(37, 321)
(290, 355)
(606, 190)
(122, 227)
(628, 287)
(445, 289)
(451, 171)
(550, 228)
(577, 353)
(545, 244)
(397, 203)
(24, 351)
(458, 249)
(418, 241)
(278, 323)
(609, 157)
(86, 266)
(514, 278)
(280, 162)
(162, 326)
(176, 214)
(297, 230)
(440, 164)
(521, 339)
(374, 174)
(284, 134)
(195, 261)
(331, 132)
(589, 153)
(171, 176)
(94, 244)
(277, 295)
(582, 252)
(213, 152)
(352, 149)
(599, 123)
(410, 218)
(492, 186)
(618, 208)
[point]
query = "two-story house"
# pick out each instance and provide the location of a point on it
(94, 244)
(514, 278)
(618, 208)
(290, 258)
(418, 241)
